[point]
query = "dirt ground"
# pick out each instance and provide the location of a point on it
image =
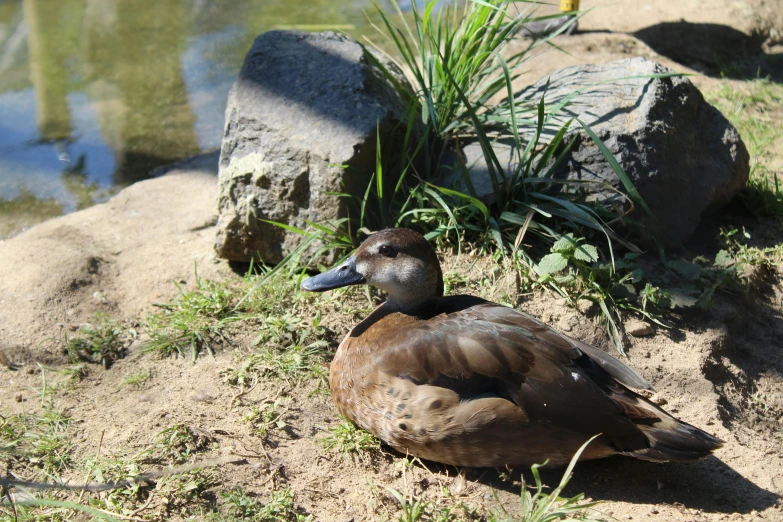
(720, 370)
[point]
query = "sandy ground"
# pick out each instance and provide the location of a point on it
(720, 370)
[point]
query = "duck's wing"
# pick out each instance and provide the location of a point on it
(470, 338)
(503, 365)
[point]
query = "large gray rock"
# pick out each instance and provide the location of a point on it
(681, 153)
(300, 123)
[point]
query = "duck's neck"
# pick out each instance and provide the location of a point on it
(408, 306)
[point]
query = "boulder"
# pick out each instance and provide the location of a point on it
(301, 125)
(681, 153)
(470, 159)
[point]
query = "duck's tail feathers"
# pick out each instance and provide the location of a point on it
(669, 439)
(676, 441)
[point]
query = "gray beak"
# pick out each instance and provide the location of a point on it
(339, 276)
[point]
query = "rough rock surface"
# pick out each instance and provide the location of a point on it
(118, 258)
(681, 153)
(470, 159)
(301, 123)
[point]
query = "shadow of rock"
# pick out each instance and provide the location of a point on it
(713, 49)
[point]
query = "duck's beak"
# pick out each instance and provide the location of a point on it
(339, 276)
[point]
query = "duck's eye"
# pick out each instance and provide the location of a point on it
(386, 250)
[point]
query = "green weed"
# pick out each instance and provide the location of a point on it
(650, 288)
(105, 469)
(739, 255)
(38, 441)
(175, 445)
(76, 373)
(548, 507)
(195, 321)
(266, 417)
(287, 345)
(349, 439)
(238, 505)
(440, 510)
(138, 379)
(101, 342)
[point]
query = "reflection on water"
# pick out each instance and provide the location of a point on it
(96, 93)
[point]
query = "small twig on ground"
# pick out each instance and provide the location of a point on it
(145, 506)
(87, 473)
(11, 499)
(242, 393)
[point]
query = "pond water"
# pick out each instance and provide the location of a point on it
(96, 93)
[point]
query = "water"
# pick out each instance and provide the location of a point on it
(96, 93)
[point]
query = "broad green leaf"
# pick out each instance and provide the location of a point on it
(723, 259)
(551, 263)
(565, 244)
(586, 253)
(565, 280)
(689, 271)
(678, 298)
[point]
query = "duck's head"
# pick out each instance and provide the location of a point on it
(397, 260)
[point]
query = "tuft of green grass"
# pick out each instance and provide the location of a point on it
(101, 342)
(138, 379)
(287, 346)
(739, 255)
(195, 321)
(350, 439)
(238, 505)
(549, 507)
(440, 510)
(76, 373)
(104, 469)
(37, 442)
(177, 444)
(266, 417)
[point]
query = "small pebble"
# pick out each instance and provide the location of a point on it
(639, 328)
(18, 398)
(657, 399)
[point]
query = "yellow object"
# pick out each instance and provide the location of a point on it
(569, 5)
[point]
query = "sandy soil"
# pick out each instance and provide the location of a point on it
(720, 370)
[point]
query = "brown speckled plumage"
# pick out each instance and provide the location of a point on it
(468, 382)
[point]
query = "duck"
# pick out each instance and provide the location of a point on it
(467, 382)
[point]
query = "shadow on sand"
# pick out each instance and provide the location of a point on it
(713, 49)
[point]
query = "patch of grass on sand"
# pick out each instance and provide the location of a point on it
(99, 342)
(266, 417)
(444, 509)
(754, 108)
(350, 439)
(177, 444)
(194, 321)
(290, 342)
(179, 494)
(38, 443)
(238, 505)
(75, 373)
(536, 505)
(138, 379)
(286, 345)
